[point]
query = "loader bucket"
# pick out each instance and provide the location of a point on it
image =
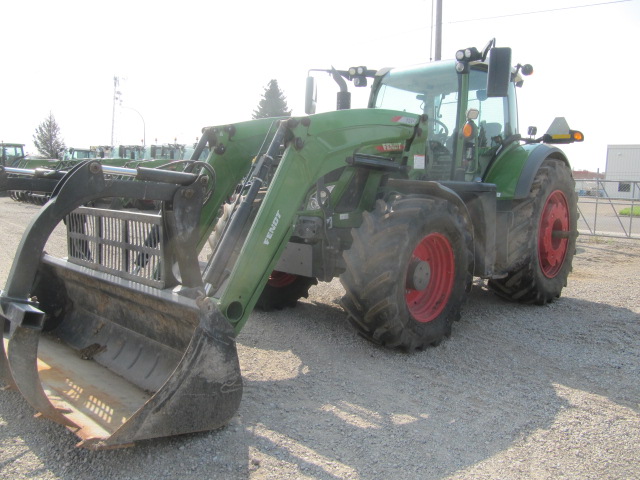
(97, 341)
(124, 364)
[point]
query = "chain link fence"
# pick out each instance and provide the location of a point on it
(609, 208)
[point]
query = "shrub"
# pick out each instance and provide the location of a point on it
(627, 211)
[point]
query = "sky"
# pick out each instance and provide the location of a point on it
(190, 64)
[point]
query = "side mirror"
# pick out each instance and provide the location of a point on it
(311, 96)
(499, 72)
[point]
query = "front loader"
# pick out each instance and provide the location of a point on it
(131, 336)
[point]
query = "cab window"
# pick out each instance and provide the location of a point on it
(495, 121)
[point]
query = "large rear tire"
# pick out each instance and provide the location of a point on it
(542, 238)
(408, 272)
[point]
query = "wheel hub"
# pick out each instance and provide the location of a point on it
(418, 275)
(553, 236)
(430, 277)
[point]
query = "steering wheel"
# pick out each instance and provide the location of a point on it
(445, 129)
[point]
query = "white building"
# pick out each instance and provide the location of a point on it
(622, 176)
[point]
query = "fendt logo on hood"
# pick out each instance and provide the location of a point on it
(272, 228)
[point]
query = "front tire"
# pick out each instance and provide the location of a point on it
(408, 272)
(284, 290)
(542, 239)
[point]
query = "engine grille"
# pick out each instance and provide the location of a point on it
(123, 243)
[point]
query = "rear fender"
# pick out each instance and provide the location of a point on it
(538, 155)
(514, 171)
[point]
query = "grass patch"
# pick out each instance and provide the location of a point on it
(627, 211)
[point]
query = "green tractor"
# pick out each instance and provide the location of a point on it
(11, 153)
(132, 335)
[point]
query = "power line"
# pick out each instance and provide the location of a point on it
(539, 11)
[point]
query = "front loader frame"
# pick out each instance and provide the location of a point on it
(315, 148)
(186, 369)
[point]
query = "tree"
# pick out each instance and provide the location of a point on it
(47, 138)
(273, 103)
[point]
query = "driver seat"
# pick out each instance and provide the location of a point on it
(490, 130)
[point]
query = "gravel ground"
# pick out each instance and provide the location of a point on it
(517, 392)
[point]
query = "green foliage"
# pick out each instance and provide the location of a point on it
(273, 103)
(627, 211)
(47, 138)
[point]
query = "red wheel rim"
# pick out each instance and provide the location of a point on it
(553, 236)
(425, 305)
(281, 279)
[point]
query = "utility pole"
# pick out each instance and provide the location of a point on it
(438, 38)
(116, 97)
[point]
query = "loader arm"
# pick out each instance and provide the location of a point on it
(233, 151)
(320, 144)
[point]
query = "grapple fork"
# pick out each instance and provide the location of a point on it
(102, 344)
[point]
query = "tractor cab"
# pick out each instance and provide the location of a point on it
(465, 126)
(469, 104)
(78, 154)
(167, 152)
(11, 153)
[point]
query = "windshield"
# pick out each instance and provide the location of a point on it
(432, 89)
(82, 154)
(12, 151)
